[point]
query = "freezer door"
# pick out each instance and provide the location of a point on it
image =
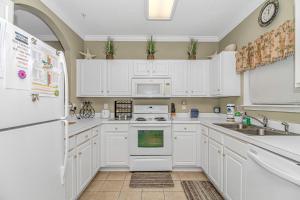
(31, 161)
(31, 90)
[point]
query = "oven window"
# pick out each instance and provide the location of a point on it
(150, 138)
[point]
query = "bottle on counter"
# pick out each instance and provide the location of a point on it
(173, 110)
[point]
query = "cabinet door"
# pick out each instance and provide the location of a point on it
(115, 151)
(71, 176)
(234, 176)
(84, 165)
(7, 10)
(90, 74)
(179, 70)
(160, 68)
(96, 152)
(204, 153)
(199, 78)
(215, 76)
(119, 73)
(215, 163)
(185, 149)
(142, 68)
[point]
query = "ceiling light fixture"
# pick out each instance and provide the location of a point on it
(160, 9)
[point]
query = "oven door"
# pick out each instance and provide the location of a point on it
(150, 139)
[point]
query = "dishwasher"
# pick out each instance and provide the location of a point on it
(271, 176)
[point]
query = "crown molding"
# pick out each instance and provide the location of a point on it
(158, 38)
(240, 18)
(47, 38)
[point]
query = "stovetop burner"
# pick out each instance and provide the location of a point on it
(140, 119)
(160, 119)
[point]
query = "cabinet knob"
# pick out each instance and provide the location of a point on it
(175, 138)
(75, 156)
(223, 154)
(107, 91)
(102, 91)
(116, 128)
(186, 92)
(205, 142)
(185, 128)
(219, 151)
(125, 138)
(79, 153)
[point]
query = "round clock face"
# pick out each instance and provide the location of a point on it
(268, 12)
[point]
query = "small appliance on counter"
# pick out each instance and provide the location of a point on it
(123, 110)
(173, 110)
(105, 112)
(194, 113)
(217, 109)
(230, 112)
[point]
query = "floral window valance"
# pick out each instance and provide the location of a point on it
(268, 48)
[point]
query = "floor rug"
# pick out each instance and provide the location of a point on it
(151, 180)
(200, 190)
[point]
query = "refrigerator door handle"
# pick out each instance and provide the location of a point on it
(65, 71)
(66, 152)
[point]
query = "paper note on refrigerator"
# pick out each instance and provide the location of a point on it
(45, 70)
(17, 58)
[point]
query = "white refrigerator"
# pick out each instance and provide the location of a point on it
(33, 110)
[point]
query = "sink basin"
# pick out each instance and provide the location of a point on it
(255, 130)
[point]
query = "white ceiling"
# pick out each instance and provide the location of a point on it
(206, 20)
(33, 25)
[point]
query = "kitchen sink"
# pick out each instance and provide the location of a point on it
(255, 130)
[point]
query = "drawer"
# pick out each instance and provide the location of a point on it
(215, 135)
(72, 143)
(95, 131)
(84, 136)
(235, 145)
(204, 130)
(115, 128)
(185, 127)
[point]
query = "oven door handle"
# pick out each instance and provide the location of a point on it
(151, 125)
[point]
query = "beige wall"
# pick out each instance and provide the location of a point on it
(55, 44)
(165, 50)
(248, 31)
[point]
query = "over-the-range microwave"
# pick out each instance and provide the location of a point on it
(148, 88)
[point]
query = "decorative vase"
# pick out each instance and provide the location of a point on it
(192, 57)
(109, 56)
(150, 56)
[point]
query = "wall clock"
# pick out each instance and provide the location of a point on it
(268, 12)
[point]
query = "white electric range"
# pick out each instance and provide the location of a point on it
(150, 139)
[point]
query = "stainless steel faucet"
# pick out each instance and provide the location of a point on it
(263, 122)
(286, 126)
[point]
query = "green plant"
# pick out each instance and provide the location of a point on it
(151, 47)
(192, 49)
(109, 47)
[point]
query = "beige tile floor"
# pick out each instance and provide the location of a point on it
(115, 186)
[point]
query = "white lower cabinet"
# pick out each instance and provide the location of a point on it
(185, 149)
(96, 154)
(71, 176)
(234, 175)
(204, 153)
(84, 165)
(114, 146)
(83, 162)
(186, 142)
(215, 163)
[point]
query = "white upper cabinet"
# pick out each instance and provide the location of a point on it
(224, 81)
(142, 68)
(179, 74)
(151, 68)
(90, 77)
(119, 74)
(160, 68)
(199, 78)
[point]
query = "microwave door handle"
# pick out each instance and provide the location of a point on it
(273, 170)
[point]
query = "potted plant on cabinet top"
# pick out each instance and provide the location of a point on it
(109, 49)
(192, 49)
(150, 49)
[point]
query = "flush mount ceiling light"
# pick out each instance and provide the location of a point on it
(160, 9)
